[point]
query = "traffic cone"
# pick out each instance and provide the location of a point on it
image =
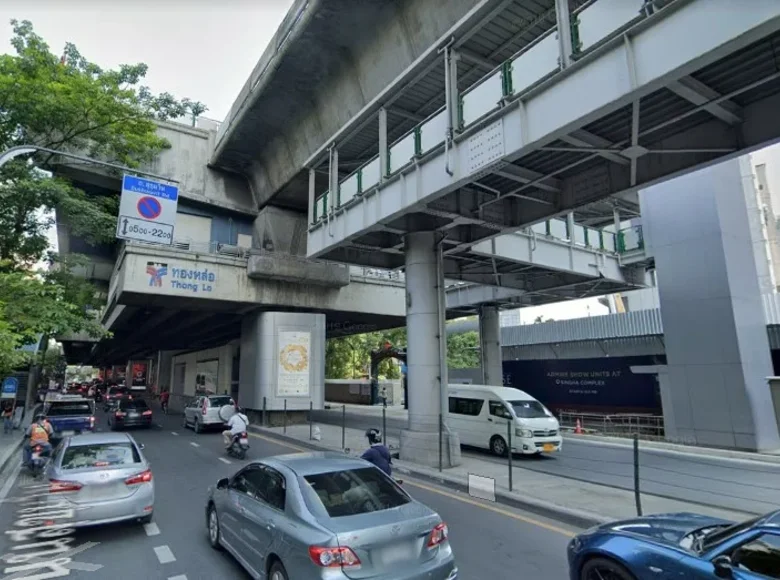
(578, 428)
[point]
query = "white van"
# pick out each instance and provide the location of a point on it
(479, 415)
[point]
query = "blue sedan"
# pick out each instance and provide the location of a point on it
(678, 547)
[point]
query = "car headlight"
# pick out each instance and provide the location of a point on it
(575, 544)
(524, 433)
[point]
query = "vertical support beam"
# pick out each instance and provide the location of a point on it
(312, 193)
(334, 179)
(490, 346)
(570, 227)
(453, 89)
(383, 168)
(616, 219)
(562, 15)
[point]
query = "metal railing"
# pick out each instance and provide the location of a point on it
(216, 248)
(650, 427)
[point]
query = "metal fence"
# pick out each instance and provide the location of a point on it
(650, 427)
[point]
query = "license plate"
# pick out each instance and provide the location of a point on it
(396, 554)
(36, 455)
(68, 433)
(548, 447)
(244, 441)
(133, 414)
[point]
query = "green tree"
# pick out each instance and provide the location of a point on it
(69, 104)
(463, 350)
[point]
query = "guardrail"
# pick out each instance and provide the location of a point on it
(216, 248)
(650, 427)
(591, 26)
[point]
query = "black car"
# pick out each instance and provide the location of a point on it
(113, 396)
(130, 413)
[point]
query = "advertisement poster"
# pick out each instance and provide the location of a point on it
(293, 367)
(140, 370)
(604, 385)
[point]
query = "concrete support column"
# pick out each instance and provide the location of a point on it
(562, 15)
(334, 180)
(717, 346)
(420, 442)
(490, 346)
(312, 194)
(383, 168)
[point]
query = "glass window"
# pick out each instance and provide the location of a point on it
(712, 539)
(529, 409)
(760, 556)
(262, 484)
(461, 406)
(100, 455)
(498, 409)
(353, 492)
(220, 401)
(69, 409)
(134, 405)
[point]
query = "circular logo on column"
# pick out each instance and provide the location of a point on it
(294, 358)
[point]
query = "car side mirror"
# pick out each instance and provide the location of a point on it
(141, 446)
(723, 566)
(223, 483)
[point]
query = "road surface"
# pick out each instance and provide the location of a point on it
(491, 542)
(749, 487)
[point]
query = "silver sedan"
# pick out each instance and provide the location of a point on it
(327, 516)
(101, 478)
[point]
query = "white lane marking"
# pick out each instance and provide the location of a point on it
(151, 529)
(164, 554)
(223, 460)
(194, 444)
(174, 433)
(179, 577)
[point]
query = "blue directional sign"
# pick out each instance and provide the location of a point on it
(147, 211)
(10, 388)
(403, 368)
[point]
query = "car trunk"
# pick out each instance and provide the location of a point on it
(395, 539)
(100, 483)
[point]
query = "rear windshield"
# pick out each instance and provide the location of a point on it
(118, 390)
(357, 491)
(139, 404)
(220, 401)
(69, 409)
(529, 409)
(100, 455)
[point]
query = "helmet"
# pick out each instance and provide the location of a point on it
(374, 436)
(40, 417)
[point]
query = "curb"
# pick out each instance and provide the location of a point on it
(676, 449)
(572, 517)
(7, 457)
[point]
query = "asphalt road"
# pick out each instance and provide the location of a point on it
(490, 541)
(749, 487)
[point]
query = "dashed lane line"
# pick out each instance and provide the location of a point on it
(151, 529)
(179, 577)
(194, 444)
(164, 554)
(225, 461)
(454, 496)
(174, 433)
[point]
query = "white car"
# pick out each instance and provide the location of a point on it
(203, 412)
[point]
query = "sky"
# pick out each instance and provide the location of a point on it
(199, 49)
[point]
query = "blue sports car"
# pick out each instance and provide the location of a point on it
(678, 547)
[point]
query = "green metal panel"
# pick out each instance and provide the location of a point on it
(576, 43)
(360, 181)
(547, 228)
(418, 140)
(506, 78)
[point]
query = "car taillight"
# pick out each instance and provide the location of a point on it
(438, 535)
(146, 413)
(56, 486)
(119, 414)
(37, 449)
(143, 477)
(91, 422)
(341, 557)
(244, 434)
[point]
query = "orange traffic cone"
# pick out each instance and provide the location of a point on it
(578, 428)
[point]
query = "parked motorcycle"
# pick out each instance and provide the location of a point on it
(239, 446)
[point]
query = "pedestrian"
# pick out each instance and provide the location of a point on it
(8, 418)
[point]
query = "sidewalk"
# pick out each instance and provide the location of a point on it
(575, 502)
(399, 413)
(10, 444)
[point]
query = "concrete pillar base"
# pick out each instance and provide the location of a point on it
(423, 448)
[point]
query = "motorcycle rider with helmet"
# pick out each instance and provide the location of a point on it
(237, 424)
(378, 453)
(37, 433)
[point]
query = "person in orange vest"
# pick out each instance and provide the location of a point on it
(38, 433)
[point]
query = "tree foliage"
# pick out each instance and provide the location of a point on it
(350, 357)
(66, 103)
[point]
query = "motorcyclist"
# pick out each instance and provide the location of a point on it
(378, 453)
(37, 434)
(237, 424)
(164, 396)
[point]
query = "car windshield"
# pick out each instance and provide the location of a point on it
(118, 391)
(529, 409)
(69, 409)
(100, 455)
(220, 401)
(356, 491)
(134, 404)
(720, 535)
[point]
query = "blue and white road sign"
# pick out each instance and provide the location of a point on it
(403, 368)
(10, 388)
(147, 211)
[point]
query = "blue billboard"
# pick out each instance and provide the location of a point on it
(603, 385)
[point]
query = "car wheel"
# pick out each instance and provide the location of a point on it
(604, 569)
(147, 519)
(213, 528)
(498, 445)
(278, 572)
(198, 427)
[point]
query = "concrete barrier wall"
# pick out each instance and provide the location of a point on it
(358, 391)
